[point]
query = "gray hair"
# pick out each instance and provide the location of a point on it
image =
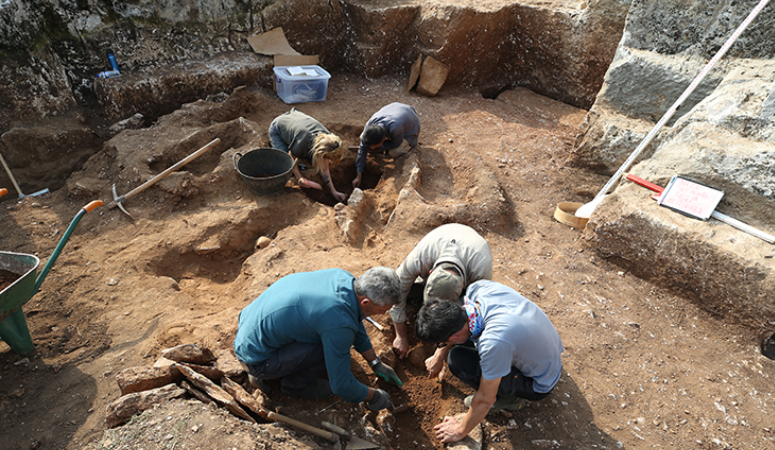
(380, 284)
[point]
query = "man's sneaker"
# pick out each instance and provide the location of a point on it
(320, 389)
(509, 404)
(401, 150)
(258, 383)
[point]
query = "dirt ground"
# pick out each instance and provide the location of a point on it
(642, 367)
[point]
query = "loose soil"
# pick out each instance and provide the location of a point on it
(7, 278)
(643, 368)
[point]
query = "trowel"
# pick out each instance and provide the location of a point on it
(357, 443)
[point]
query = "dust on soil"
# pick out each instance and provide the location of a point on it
(642, 367)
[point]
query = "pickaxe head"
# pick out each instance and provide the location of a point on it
(119, 201)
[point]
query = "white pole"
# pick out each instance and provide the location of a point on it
(585, 211)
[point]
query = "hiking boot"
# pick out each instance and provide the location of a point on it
(509, 404)
(320, 389)
(258, 383)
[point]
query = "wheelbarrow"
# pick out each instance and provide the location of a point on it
(13, 325)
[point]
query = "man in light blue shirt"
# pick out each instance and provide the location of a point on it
(515, 356)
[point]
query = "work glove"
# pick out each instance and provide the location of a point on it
(380, 401)
(386, 372)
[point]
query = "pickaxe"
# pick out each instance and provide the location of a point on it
(119, 200)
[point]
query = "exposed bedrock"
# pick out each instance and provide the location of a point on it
(722, 136)
(56, 49)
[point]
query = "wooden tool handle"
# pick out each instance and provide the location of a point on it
(293, 422)
(162, 175)
(331, 427)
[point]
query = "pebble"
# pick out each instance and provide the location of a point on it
(263, 242)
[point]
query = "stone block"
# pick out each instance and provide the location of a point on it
(414, 74)
(432, 77)
(127, 406)
(138, 379)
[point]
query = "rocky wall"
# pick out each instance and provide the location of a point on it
(174, 52)
(54, 49)
(722, 136)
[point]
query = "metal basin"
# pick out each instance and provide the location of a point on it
(264, 170)
(13, 326)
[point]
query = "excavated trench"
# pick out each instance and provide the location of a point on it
(218, 255)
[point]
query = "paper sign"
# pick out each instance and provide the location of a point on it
(301, 72)
(690, 198)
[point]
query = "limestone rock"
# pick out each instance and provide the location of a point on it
(138, 379)
(350, 217)
(414, 73)
(432, 77)
(258, 403)
(190, 353)
(130, 123)
(263, 242)
(196, 393)
(473, 441)
(128, 405)
(723, 135)
(215, 392)
(673, 249)
(210, 372)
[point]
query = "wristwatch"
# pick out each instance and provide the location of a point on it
(374, 362)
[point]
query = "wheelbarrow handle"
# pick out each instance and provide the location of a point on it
(94, 204)
(62, 242)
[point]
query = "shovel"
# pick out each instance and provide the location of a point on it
(586, 210)
(119, 200)
(16, 185)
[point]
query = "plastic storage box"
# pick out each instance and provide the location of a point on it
(301, 84)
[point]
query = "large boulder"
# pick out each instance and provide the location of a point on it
(722, 136)
(664, 47)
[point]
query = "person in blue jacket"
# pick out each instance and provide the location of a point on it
(499, 343)
(303, 326)
(394, 129)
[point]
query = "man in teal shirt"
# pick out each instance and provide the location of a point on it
(304, 325)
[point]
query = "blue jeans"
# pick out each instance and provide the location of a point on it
(275, 139)
(297, 365)
(464, 363)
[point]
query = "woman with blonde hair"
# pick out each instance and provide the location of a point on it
(307, 139)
